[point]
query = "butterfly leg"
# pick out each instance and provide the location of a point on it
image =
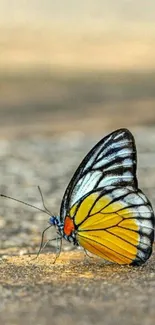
(58, 249)
(42, 246)
(86, 253)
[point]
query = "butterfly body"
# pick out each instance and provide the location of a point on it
(103, 210)
(66, 230)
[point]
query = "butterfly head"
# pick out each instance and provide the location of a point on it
(55, 221)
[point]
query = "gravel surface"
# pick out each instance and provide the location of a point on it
(92, 292)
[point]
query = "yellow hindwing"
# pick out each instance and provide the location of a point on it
(107, 231)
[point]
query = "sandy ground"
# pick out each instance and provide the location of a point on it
(75, 290)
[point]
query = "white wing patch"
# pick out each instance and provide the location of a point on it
(112, 162)
(85, 185)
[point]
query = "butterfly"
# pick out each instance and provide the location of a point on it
(102, 209)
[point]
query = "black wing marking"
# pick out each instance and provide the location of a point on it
(112, 161)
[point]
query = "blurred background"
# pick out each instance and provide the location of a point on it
(67, 64)
(70, 72)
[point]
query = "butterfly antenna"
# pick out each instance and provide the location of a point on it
(25, 203)
(43, 202)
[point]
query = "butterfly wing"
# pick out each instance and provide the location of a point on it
(112, 217)
(116, 224)
(112, 161)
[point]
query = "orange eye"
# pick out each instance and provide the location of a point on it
(68, 226)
